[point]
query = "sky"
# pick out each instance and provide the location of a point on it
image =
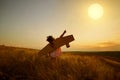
(27, 23)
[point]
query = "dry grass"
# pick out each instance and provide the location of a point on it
(24, 64)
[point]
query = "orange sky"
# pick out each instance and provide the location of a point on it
(27, 23)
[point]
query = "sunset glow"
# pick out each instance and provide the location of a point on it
(27, 23)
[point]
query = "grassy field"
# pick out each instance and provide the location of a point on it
(25, 64)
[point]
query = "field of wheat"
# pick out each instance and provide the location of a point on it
(25, 64)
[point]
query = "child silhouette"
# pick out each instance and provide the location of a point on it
(57, 52)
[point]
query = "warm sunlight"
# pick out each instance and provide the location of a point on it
(95, 11)
(89, 21)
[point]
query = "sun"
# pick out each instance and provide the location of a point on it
(95, 11)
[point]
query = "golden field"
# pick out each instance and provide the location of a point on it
(25, 64)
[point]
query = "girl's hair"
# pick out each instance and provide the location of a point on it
(50, 39)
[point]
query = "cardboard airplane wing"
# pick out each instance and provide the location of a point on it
(59, 42)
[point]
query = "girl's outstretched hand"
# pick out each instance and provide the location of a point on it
(65, 31)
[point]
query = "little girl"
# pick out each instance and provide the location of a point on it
(57, 52)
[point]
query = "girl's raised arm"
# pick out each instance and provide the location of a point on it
(63, 34)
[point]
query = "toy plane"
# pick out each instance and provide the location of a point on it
(57, 43)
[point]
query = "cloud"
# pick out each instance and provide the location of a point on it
(104, 46)
(109, 46)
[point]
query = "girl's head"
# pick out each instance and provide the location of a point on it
(50, 39)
